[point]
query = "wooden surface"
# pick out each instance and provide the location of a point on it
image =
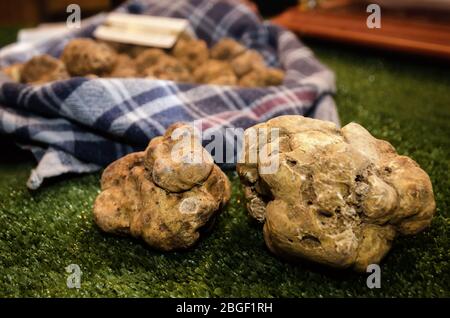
(416, 32)
(28, 13)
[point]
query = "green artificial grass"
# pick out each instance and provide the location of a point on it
(401, 100)
(8, 34)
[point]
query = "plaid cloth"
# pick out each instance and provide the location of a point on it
(80, 125)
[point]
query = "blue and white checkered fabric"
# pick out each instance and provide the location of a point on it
(80, 125)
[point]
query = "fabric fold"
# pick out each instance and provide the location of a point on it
(81, 125)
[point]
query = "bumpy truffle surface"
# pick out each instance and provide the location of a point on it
(85, 56)
(227, 49)
(262, 76)
(274, 76)
(42, 69)
(212, 70)
(191, 52)
(148, 58)
(338, 197)
(168, 68)
(246, 62)
(122, 48)
(225, 80)
(190, 61)
(164, 195)
(124, 66)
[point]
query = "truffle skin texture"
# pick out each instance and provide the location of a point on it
(148, 57)
(14, 71)
(262, 76)
(212, 70)
(43, 69)
(165, 202)
(274, 76)
(168, 68)
(84, 56)
(191, 52)
(339, 196)
(227, 49)
(123, 48)
(226, 80)
(246, 62)
(124, 67)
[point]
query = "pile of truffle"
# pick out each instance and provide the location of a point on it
(227, 63)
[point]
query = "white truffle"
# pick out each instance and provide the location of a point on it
(338, 196)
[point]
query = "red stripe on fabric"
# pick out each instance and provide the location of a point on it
(269, 105)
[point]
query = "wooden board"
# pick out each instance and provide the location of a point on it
(417, 32)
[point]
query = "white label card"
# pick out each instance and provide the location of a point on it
(141, 29)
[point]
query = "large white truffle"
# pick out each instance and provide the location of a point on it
(338, 196)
